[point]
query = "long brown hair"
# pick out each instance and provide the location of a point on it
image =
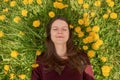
(52, 60)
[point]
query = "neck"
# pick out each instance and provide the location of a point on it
(61, 50)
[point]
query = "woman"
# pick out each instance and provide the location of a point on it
(61, 60)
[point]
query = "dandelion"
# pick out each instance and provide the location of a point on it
(91, 53)
(95, 46)
(113, 15)
(6, 67)
(1, 34)
(59, 5)
(2, 17)
(22, 76)
(14, 54)
(38, 52)
(51, 14)
(80, 21)
(97, 3)
(95, 28)
(111, 4)
(71, 26)
(80, 1)
(92, 14)
(86, 6)
(85, 15)
(5, 0)
(88, 29)
(24, 12)
(17, 19)
(39, 2)
(30, 1)
(85, 47)
(25, 2)
(105, 16)
(5, 10)
(21, 33)
(36, 23)
(87, 23)
(12, 3)
(105, 70)
(80, 34)
(77, 29)
(35, 65)
(12, 75)
(103, 59)
(108, 1)
(99, 42)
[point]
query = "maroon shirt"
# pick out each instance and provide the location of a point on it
(67, 73)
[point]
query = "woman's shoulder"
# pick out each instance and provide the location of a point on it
(39, 58)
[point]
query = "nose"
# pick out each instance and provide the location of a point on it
(59, 31)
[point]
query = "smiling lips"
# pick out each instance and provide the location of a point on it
(59, 37)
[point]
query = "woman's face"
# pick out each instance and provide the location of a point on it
(59, 32)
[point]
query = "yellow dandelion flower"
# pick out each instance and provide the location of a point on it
(12, 75)
(5, 10)
(88, 29)
(91, 53)
(90, 39)
(30, 1)
(35, 65)
(80, 34)
(6, 67)
(24, 12)
(97, 3)
(77, 29)
(2, 17)
(111, 4)
(85, 19)
(108, 1)
(51, 14)
(5, 0)
(86, 6)
(92, 33)
(36, 23)
(38, 52)
(59, 5)
(105, 16)
(1, 34)
(12, 3)
(14, 54)
(21, 33)
(25, 2)
(85, 41)
(109, 11)
(103, 59)
(80, 21)
(92, 14)
(71, 26)
(113, 15)
(85, 47)
(80, 1)
(96, 37)
(39, 2)
(99, 42)
(17, 19)
(95, 28)
(119, 22)
(87, 23)
(95, 46)
(105, 70)
(60, 0)
(85, 15)
(22, 76)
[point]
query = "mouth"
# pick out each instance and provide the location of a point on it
(59, 37)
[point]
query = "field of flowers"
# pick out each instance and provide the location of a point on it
(96, 26)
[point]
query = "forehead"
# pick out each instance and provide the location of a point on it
(59, 22)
